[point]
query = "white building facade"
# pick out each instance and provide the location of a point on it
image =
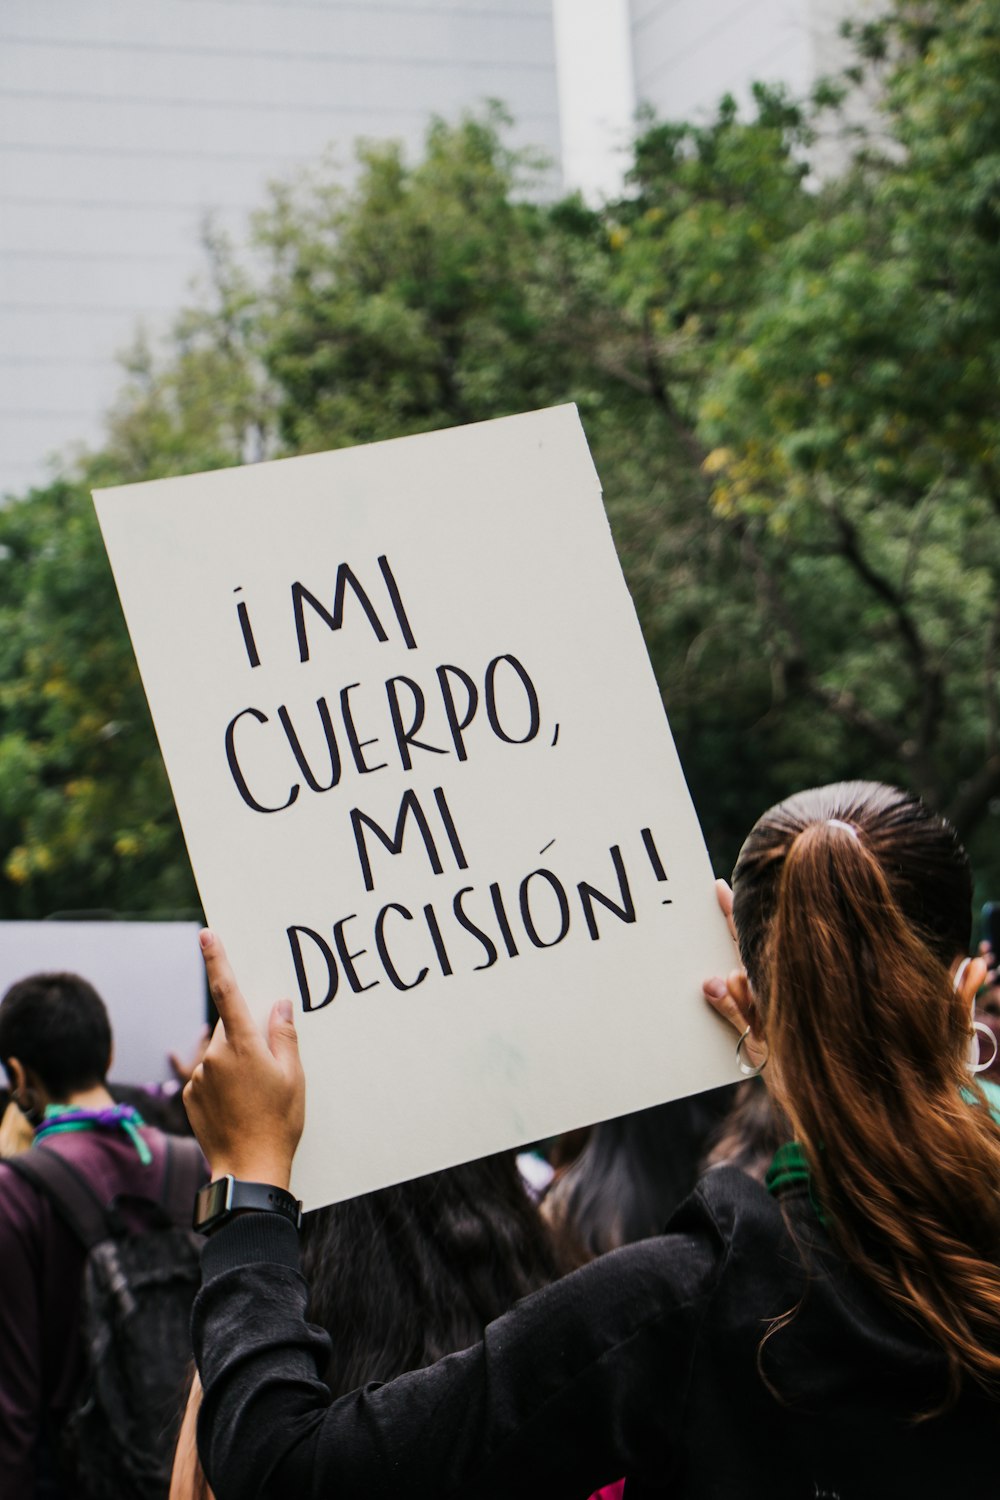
(688, 53)
(123, 123)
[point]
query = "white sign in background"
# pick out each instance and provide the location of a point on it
(428, 788)
(149, 975)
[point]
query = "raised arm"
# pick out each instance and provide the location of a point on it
(577, 1385)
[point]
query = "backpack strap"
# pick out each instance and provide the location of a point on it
(183, 1174)
(91, 1220)
(68, 1190)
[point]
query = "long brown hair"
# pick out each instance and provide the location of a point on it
(851, 903)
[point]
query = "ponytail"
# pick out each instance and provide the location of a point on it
(867, 1045)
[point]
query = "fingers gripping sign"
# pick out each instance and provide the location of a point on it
(733, 997)
(724, 895)
(246, 1098)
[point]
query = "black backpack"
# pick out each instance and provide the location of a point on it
(118, 1441)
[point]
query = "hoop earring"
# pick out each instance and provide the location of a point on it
(751, 1071)
(984, 1030)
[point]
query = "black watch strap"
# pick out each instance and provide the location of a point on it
(227, 1196)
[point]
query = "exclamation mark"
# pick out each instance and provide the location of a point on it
(655, 861)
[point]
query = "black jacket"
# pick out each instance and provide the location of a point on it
(650, 1362)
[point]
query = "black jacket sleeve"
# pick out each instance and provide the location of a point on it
(574, 1387)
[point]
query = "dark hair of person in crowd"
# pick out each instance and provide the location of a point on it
(633, 1172)
(412, 1272)
(402, 1276)
(852, 903)
(57, 1027)
(750, 1133)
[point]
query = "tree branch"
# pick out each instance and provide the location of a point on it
(990, 685)
(929, 678)
(796, 665)
(972, 800)
(990, 488)
(660, 393)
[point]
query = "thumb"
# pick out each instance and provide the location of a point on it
(282, 1038)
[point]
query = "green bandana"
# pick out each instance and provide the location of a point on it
(790, 1169)
(60, 1118)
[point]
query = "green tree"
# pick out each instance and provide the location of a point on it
(418, 300)
(789, 390)
(688, 249)
(85, 809)
(415, 300)
(853, 425)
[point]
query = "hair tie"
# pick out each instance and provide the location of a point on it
(839, 823)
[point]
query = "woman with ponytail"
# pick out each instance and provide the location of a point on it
(853, 914)
(835, 1332)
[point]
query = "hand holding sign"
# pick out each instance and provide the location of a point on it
(732, 997)
(246, 1098)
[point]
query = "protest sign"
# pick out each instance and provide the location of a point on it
(428, 788)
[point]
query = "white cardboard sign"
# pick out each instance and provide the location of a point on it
(428, 788)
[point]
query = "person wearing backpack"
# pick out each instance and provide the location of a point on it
(98, 1266)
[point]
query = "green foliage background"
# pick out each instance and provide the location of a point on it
(791, 392)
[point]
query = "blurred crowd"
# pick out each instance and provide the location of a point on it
(421, 1268)
(96, 1186)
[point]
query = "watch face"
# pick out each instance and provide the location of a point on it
(211, 1201)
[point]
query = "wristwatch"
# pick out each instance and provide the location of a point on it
(226, 1196)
